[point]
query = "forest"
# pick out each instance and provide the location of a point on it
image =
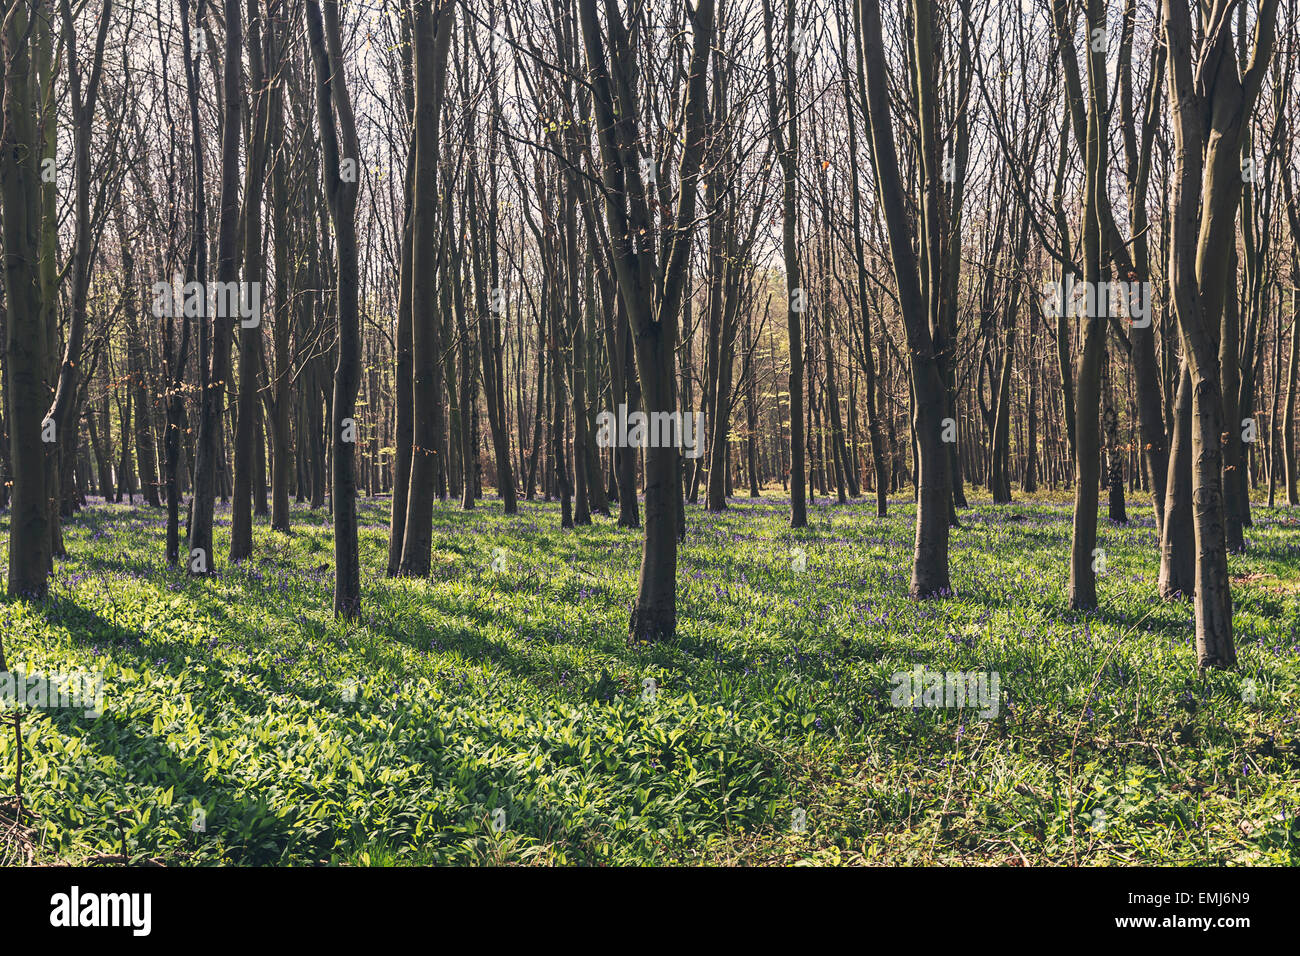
(650, 432)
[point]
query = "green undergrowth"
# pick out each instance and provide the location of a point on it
(495, 712)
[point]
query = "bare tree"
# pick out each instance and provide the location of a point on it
(1210, 99)
(214, 354)
(432, 38)
(918, 284)
(341, 166)
(651, 289)
(25, 335)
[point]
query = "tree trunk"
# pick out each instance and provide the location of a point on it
(246, 430)
(341, 191)
(217, 364)
(1288, 415)
(30, 559)
(653, 307)
(920, 317)
(786, 137)
(1209, 114)
(432, 42)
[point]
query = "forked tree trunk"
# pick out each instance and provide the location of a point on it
(64, 412)
(1211, 104)
(341, 191)
(653, 307)
(934, 495)
(879, 452)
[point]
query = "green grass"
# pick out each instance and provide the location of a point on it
(481, 690)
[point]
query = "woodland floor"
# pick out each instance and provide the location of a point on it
(514, 689)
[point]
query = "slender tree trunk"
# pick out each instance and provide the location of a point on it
(213, 388)
(654, 307)
(920, 316)
(1209, 115)
(785, 134)
(246, 430)
(403, 397)
(1288, 414)
(283, 317)
(432, 41)
(1234, 461)
(342, 160)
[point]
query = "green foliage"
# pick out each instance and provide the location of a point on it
(397, 739)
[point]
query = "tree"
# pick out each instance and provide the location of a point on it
(30, 558)
(214, 356)
(342, 162)
(1087, 385)
(490, 306)
(1210, 99)
(918, 284)
(432, 41)
(276, 65)
(650, 290)
(787, 149)
(63, 413)
(250, 336)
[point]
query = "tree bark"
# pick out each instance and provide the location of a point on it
(920, 317)
(432, 41)
(30, 559)
(341, 192)
(213, 385)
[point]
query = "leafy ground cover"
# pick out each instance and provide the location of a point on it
(495, 713)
